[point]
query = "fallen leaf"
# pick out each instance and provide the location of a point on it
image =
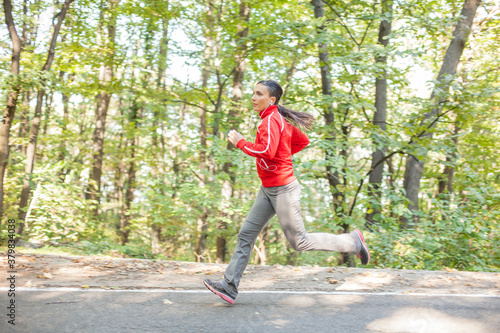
(47, 276)
(332, 281)
(166, 301)
(85, 286)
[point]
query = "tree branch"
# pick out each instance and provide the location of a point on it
(394, 153)
(342, 23)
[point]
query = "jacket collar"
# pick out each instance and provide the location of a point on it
(267, 111)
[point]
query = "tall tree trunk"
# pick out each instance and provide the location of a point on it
(156, 229)
(445, 183)
(119, 181)
(132, 135)
(10, 109)
(24, 121)
(35, 124)
(64, 125)
(130, 179)
(48, 106)
(234, 120)
(415, 167)
(344, 257)
(108, 16)
(326, 89)
(379, 117)
(202, 226)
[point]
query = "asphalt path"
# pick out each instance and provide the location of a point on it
(158, 310)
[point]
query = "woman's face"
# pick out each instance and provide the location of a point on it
(261, 98)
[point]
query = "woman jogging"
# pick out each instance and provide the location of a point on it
(278, 138)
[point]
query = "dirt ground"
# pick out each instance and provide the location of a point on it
(44, 270)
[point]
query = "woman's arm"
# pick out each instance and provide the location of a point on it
(269, 137)
(299, 140)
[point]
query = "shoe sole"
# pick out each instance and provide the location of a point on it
(364, 246)
(221, 295)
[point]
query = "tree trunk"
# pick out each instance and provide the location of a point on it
(103, 98)
(344, 257)
(132, 143)
(234, 120)
(445, 184)
(326, 89)
(379, 117)
(24, 119)
(64, 125)
(10, 109)
(156, 229)
(48, 106)
(35, 124)
(415, 167)
(24, 122)
(202, 226)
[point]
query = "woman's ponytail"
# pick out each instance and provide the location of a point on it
(297, 119)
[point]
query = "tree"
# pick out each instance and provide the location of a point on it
(108, 18)
(10, 110)
(379, 117)
(156, 229)
(415, 165)
(234, 119)
(208, 54)
(35, 125)
(326, 88)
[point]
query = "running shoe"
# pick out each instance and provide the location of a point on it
(217, 289)
(363, 254)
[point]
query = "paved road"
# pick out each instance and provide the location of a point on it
(200, 311)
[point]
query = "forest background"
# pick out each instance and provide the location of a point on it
(113, 137)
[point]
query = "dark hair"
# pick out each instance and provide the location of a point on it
(298, 119)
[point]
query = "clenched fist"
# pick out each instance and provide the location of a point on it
(234, 137)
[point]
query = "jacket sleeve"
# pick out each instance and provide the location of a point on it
(299, 140)
(269, 134)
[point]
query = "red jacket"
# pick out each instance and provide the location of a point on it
(277, 140)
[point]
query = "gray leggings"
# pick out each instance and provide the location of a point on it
(283, 201)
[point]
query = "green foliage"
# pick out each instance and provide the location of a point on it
(154, 136)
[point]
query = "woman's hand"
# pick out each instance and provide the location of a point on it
(234, 137)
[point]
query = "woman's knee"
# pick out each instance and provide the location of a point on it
(247, 234)
(298, 243)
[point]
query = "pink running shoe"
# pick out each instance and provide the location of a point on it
(363, 254)
(217, 289)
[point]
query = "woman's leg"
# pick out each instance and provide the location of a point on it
(260, 214)
(286, 202)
